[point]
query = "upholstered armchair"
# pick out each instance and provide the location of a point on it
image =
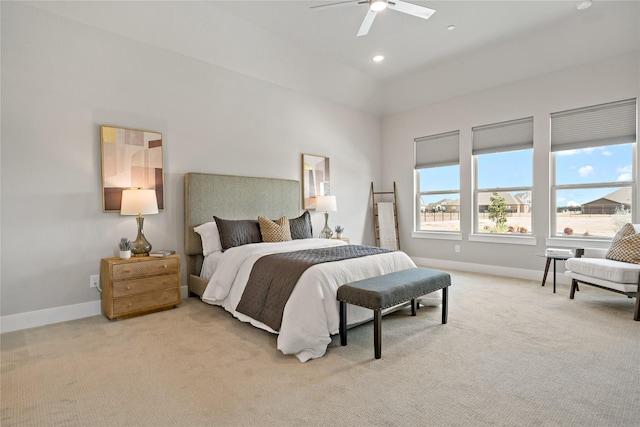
(616, 269)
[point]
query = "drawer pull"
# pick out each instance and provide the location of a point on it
(128, 287)
(165, 266)
(129, 305)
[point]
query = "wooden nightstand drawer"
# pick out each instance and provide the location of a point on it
(139, 285)
(133, 269)
(148, 284)
(153, 300)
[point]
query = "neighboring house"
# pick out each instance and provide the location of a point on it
(514, 203)
(608, 204)
(444, 205)
(524, 200)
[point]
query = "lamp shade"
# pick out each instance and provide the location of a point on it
(139, 202)
(326, 204)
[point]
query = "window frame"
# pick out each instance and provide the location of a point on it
(612, 123)
(502, 137)
(477, 191)
(554, 188)
(418, 202)
(437, 150)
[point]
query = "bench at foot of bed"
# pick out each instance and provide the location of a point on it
(381, 292)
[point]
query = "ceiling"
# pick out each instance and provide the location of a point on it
(410, 44)
(316, 52)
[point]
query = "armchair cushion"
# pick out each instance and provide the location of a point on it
(625, 245)
(605, 269)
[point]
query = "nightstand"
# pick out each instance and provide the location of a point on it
(344, 239)
(139, 285)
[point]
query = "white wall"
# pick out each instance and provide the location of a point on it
(610, 80)
(61, 80)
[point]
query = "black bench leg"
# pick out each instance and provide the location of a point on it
(413, 307)
(343, 323)
(445, 307)
(377, 333)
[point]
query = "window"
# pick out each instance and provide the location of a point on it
(437, 177)
(503, 165)
(593, 153)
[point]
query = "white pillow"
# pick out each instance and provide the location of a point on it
(210, 237)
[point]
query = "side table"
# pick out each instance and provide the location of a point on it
(546, 267)
(139, 285)
(344, 239)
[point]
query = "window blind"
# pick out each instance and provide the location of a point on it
(605, 124)
(437, 150)
(505, 136)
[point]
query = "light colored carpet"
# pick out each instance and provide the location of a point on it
(512, 354)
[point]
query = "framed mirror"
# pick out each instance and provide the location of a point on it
(316, 179)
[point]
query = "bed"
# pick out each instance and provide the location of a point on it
(311, 313)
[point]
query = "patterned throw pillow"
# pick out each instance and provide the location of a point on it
(625, 245)
(274, 231)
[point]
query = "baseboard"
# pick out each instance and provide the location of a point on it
(49, 316)
(32, 319)
(495, 270)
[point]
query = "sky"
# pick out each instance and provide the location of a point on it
(610, 164)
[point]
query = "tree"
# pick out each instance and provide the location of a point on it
(498, 212)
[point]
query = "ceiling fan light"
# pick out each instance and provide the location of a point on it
(583, 4)
(377, 5)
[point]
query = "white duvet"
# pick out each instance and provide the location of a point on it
(311, 315)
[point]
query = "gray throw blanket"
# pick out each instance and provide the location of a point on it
(273, 278)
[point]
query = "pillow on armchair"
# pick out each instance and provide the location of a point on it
(625, 245)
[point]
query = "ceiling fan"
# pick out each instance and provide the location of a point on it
(376, 6)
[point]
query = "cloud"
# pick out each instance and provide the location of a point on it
(567, 152)
(576, 151)
(585, 171)
(624, 169)
(607, 153)
(625, 173)
(573, 204)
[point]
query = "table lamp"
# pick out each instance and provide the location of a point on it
(326, 204)
(139, 202)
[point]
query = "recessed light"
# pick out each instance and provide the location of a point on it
(451, 27)
(378, 58)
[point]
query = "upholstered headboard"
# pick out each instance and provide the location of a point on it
(230, 197)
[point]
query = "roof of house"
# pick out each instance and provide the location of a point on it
(621, 196)
(485, 198)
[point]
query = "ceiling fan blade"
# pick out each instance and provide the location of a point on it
(366, 24)
(338, 4)
(411, 9)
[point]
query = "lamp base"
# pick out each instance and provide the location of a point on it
(326, 232)
(140, 246)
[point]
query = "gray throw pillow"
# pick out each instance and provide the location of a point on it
(238, 232)
(301, 227)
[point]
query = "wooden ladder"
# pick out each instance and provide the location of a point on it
(385, 195)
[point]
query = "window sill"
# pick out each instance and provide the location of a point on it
(438, 235)
(507, 239)
(577, 242)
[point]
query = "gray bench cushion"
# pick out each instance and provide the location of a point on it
(394, 288)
